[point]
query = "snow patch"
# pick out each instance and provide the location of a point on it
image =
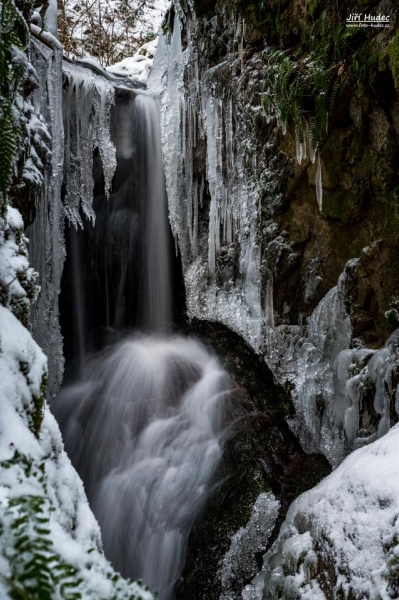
(340, 537)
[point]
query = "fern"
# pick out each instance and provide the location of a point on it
(13, 40)
(298, 90)
(37, 571)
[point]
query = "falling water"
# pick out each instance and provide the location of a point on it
(143, 430)
(144, 421)
(157, 309)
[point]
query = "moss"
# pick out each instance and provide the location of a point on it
(393, 52)
(392, 316)
(36, 414)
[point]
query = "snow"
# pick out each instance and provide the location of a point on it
(45, 35)
(16, 276)
(346, 527)
(137, 67)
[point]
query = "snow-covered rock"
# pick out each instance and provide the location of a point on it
(340, 539)
(137, 67)
(17, 278)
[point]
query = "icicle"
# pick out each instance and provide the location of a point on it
(299, 149)
(269, 310)
(229, 139)
(351, 418)
(242, 46)
(89, 101)
(46, 234)
(195, 240)
(397, 400)
(319, 184)
(233, 187)
(312, 155)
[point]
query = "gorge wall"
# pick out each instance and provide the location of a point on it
(280, 137)
(280, 140)
(281, 152)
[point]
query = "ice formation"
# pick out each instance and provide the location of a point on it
(340, 538)
(87, 110)
(86, 107)
(199, 113)
(222, 261)
(213, 214)
(331, 378)
(247, 543)
(46, 234)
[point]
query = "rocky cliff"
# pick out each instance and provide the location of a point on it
(280, 134)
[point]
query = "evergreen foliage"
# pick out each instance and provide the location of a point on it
(304, 86)
(309, 64)
(14, 38)
(298, 90)
(36, 570)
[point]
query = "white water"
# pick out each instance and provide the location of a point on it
(143, 429)
(143, 421)
(157, 308)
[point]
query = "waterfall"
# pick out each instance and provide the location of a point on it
(142, 418)
(143, 430)
(157, 309)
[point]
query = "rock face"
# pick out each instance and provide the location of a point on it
(264, 469)
(284, 206)
(267, 212)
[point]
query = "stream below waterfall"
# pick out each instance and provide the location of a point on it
(142, 417)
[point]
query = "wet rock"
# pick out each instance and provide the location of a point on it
(261, 455)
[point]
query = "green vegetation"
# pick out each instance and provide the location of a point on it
(393, 53)
(311, 56)
(13, 40)
(298, 89)
(36, 415)
(304, 86)
(36, 570)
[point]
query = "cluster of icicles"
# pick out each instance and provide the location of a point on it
(301, 154)
(88, 105)
(194, 109)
